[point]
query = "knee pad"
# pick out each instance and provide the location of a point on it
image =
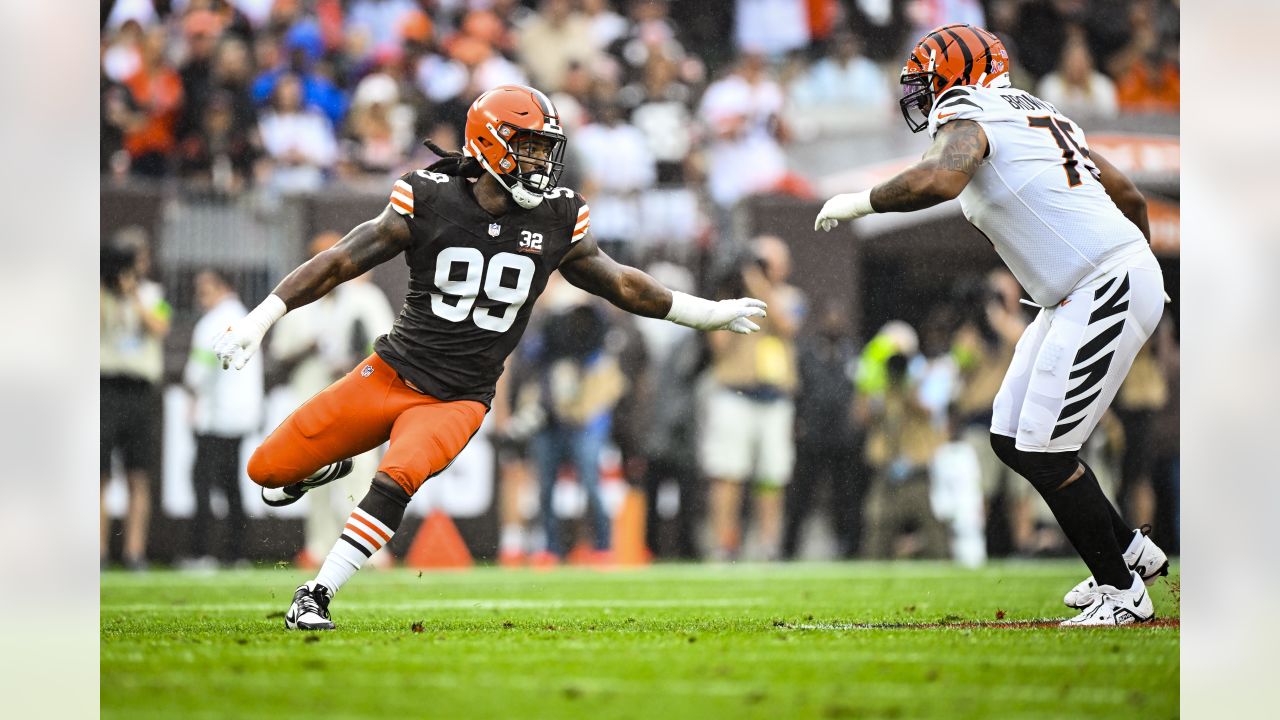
(1004, 448)
(1045, 471)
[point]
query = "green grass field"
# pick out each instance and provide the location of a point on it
(681, 641)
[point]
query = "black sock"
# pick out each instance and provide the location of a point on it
(1092, 524)
(1123, 531)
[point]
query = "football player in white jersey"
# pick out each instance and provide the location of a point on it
(1073, 230)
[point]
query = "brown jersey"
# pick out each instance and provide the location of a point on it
(473, 279)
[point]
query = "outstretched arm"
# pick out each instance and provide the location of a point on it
(588, 267)
(1123, 193)
(941, 174)
(369, 244)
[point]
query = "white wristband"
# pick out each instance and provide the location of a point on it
(860, 204)
(688, 310)
(267, 313)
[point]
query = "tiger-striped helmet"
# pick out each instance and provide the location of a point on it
(951, 56)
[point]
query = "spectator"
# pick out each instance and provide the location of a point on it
(846, 80)
(749, 415)
(607, 26)
(983, 344)
(140, 12)
(227, 406)
(311, 347)
(1078, 90)
(1142, 396)
(224, 144)
(670, 447)
(380, 123)
(550, 41)
(617, 169)
(770, 27)
(119, 117)
(1146, 72)
(298, 140)
(653, 32)
(201, 29)
(380, 21)
(579, 384)
(122, 54)
(744, 156)
(1041, 31)
(302, 50)
(827, 443)
(660, 105)
(133, 320)
(955, 496)
(901, 443)
(486, 68)
(157, 90)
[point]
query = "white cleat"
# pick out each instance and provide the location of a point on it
(1142, 556)
(310, 608)
(1112, 606)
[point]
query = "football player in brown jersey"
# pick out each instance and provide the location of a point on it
(482, 231)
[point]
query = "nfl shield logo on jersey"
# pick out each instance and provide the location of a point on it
(366, 371)
(494, 229)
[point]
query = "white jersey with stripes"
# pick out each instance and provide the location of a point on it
(1036, 195)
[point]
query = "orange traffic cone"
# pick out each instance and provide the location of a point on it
(437, 545)
(628, 531)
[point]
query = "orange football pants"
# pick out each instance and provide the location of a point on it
(359, 412)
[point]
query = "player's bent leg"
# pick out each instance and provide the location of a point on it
(345, 419)
(1072, 493)
(427, 437)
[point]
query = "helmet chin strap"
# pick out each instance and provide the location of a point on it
(523, 196)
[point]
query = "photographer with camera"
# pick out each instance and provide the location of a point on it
(133, 321)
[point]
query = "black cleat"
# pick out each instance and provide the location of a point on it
(310, 608)
(290, 494)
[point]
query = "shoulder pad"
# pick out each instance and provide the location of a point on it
(414, 187)
(958, 103)
(570, 208)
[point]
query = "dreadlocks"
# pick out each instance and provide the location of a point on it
(453, 162)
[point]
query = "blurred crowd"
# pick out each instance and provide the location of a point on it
(676, 110)
(694, 101)
(804, 440)
(738, 446)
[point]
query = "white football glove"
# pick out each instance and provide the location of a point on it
(235, 345)
(847, 206)
(701, 314)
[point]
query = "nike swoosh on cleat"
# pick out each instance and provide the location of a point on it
(1138, 602)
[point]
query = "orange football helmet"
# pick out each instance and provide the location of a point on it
(951, 56)
(514, 132)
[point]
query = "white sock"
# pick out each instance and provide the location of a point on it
(362, 536)
(274, 494)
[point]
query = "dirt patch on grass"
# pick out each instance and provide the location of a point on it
(965, 625)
